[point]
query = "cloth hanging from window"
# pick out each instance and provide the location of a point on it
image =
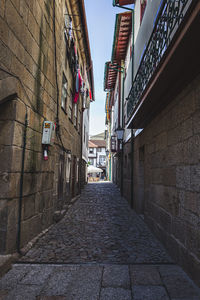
(77, 86)
(90, 94)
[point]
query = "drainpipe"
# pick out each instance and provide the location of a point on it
(123, 125)
(132, 134)
(21, 187)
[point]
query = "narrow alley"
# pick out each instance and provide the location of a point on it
(100, 250)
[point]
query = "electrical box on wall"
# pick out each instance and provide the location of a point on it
(48, 133)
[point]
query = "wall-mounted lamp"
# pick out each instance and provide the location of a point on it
(120, 133)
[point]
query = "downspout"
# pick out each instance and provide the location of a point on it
(119, 121)
(81, 154)
(21, 187)
(132, 134)
(123, 125)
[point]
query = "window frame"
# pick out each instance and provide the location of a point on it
(70, 107)
(64, 95)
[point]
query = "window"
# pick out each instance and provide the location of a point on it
(91, 160)
(79, 121)
(87, 138)
(91, 150)
(102, 159)
(64, 93)
(68, 168)
(84, 133)
(71, 106)
(75, 114)
(77, 170)
(68, 24)
(98, 149)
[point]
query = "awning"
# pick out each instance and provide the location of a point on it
(93, 169)
(108, 107)
(123, 27)
(110, 76)
(123, 2)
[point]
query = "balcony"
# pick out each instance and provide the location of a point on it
(163, 50)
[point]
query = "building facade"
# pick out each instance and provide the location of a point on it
(160, 107)
(97, 151)
(45, 75)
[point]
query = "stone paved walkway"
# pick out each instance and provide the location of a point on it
(100, 250)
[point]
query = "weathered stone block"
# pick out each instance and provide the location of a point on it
(29, 229)
(33, 27)
(149, 293)
(192, 154)
(145, 275)
(179, 229)
(170, 201)
(161, 141)
(4, 29)
(30, 183)
(12, 222)
(39, 203)
(189, 217)
(115, 293)
(28, 207)
(177, 283)
(5, 161)
(18, 134)
(20, 112)
(6, 56)
(9, 185)
(195, 178)
(191, 202)
(14, 19)
(165, 220)
(186, 129)
(16, 46)
(183, 177)
(116, 276)
(169, 176)
(156, 175)
(6, 132)
(23, 10)
(33, 161)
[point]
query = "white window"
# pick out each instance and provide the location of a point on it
(102, 159)
(70, 106)
(68, 24)
(64, 93)
(75, 114)
(79, 121)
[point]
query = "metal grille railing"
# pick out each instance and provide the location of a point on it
(168, 20)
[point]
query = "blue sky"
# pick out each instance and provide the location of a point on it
(100, 20)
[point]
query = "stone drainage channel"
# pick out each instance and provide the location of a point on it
(100, 250)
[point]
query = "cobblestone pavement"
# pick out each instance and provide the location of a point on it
(100, 250)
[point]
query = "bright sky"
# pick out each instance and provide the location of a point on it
(101, 21)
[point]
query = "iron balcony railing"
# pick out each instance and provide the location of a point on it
(168, 20)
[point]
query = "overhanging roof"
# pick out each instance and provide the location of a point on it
(110, 76)
(123, 2)
(123, 26)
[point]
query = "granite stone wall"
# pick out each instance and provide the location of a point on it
(27, 54)
(167, 165)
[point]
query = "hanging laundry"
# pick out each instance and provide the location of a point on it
(78, 86)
